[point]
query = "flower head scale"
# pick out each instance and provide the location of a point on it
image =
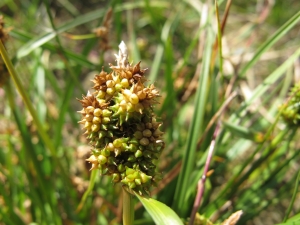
(119, 121)
(122, 57)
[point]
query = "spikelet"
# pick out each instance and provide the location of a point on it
(119, 121)
(291, 109)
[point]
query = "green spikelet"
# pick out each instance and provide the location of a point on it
(291, 109)
(119, 121)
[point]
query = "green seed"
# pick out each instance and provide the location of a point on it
(106, 113)
(138, 181)
(134, 99)
(111, 160)
(102, 134)
(88, 125)
(131, 185)
(101, 94)
(132, 148)
(102, 159)
(95, 127)
(138, 135)
(97, 112)
(125, 82)
(96, 120)
(105, 120)
(118, 87)
(129, 171)
(116, 177)
(121, 168)
(105, 152)
(132, 176)
(138, 154)
(110, 91)
(144, 177)
(117, 143)
(110, 147)
(131, 158)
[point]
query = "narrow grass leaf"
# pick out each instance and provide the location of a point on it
(271, 41)
(267, 83)
(40, 40)
(180, 198)
(293, 198)
(239, 131)
(88, 191)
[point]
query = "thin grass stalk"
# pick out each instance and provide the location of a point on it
(128, 208)
(271, 41)
(94, 174)
(180, 197)
(289, 209)
(217, 45)
(201, 182)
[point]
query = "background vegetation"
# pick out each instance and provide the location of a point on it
(56, 51)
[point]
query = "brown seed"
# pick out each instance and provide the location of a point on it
(144, 141)
(147, 133)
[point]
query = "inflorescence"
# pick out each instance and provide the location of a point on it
(119, 121)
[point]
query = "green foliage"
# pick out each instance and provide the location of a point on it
(160, 213)
(251, 90)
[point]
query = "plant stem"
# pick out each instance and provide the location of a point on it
(201, 182)
(128, 208)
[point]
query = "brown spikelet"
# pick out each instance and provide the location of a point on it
(233, 219)
(119, 121)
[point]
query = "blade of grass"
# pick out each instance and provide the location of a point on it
(96, 14)
(78, 59)
(281, 32)
(289, 209)
(180, 197)
(94, 174)
(266, 84)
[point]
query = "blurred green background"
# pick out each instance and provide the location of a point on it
(58, 46)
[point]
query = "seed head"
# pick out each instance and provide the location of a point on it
(119, 121)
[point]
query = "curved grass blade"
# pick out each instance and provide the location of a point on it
(293, 198)
(88, 191)
(38, 41)
(180, 204)
(271, 41)
(160, 213)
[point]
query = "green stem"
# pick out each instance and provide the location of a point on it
(293, 199)
(128, 208)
